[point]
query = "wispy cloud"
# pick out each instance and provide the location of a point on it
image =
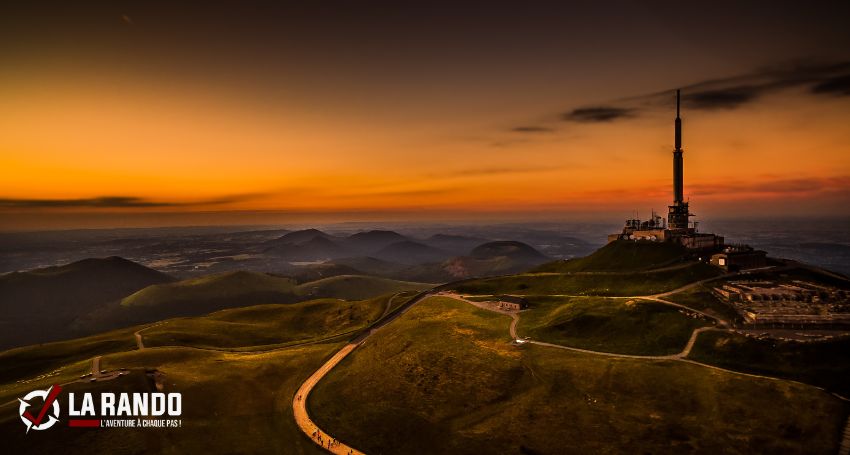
(114, 202)
(597, 114)
(839, 85)
(495, 171)
(784, 187)
(531, 129)
(726, 98)
(728, 93)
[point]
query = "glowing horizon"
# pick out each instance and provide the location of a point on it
(115, 134)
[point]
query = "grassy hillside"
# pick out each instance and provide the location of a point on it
(64, 293)
(231, 402)
(30, 361)
(444, 379)
(606, 284)
(517, 251)
(823, 363)
(219, 388)
(202, 295)
(622, 255)
(355, 287)
(701, 298)
(267, 325)
(232, 287)
(250, 328)
(610, 325)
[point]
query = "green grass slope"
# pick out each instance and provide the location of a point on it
(236, 391)
(232, 403)
(268, 325)
(610, 325)
(443, 378)
(823, 363)
(258, 327)
(41, 359)
(622, 255)
(230, 287)
(603, 284)
(701, 298)
(356, 287)
(202, 295)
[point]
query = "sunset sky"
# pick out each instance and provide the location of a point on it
(142, 114)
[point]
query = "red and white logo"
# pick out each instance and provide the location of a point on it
(44, 417)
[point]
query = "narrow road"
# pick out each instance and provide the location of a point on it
(299, 401)
(299, 406)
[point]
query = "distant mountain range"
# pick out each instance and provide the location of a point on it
(437, 258)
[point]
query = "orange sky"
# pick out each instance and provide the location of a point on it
(166, 141)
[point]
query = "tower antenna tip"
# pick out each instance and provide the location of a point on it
(677, 102)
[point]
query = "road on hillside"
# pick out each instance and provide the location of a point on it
(680, 357)
(299, 401)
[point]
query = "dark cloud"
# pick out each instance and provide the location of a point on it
(531, 129)
(597, 114)
(831, 78)
(776, 186)
(839, 85)
(726, 98)
(105, 201)
(821, 78)
(111, 202)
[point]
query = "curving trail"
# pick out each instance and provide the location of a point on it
(299, 401)
(140, 344)
(299, 406)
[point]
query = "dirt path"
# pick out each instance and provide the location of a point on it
(138, 334)
(139, 343)
(389, 305)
